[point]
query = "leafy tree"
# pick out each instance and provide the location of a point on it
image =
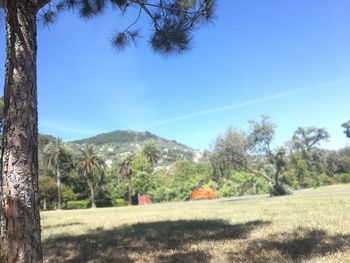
(142, 182)
(90, 167)
(305, 139)
(141, 163)
(126, 171)
(67, 194)
(230, 151)
(47, 189)
(346, 127)
(308, 161)
(151, 152)
(53, 154)
(173, 23)
(261, 136)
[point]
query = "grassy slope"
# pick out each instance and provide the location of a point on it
(309, 226)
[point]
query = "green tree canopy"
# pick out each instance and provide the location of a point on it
(346, 127)
(151, 152)
(305, 139)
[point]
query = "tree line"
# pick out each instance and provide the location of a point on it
(238, 163)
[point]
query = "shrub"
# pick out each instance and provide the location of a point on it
(241, 183)
(103, 202)
(119, 202)
(326, 180)
(80, 204)
(343, 178)
(279, 189)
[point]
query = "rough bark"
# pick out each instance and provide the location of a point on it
(20, 218)
(58, 187)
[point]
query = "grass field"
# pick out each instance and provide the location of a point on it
(309, 226)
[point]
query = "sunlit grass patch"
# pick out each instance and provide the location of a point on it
(308, 226)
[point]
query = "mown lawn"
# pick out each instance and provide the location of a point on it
(308, 226)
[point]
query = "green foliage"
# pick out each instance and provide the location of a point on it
(304, 139)
(178, 183)
(141, 163)
(119, 202)
(230, 152)
(173, 22)
(325, 179)
(48, 191)
(346, 127)
(142, 182)
(262, 134)
(343, 178)
(90, 165)
(241, 183)
(151, 152)
(279, 189)
(67, 194)
(79, 204)
(106, 202)
(120, 137)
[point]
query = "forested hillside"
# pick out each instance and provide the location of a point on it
(115, 145)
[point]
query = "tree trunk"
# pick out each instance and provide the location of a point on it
(130, 194)
(92, 190)
(58, 173)
(20, 219)
(44, 204)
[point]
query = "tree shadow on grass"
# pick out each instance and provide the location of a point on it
(179, 241)
(64, 225)
(296, 246)
(163, 241)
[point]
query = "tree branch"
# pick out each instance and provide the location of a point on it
(2, 4)
(40, 4)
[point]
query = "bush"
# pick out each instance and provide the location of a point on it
(119, 202)
(241, 183)
(80, 204)
(343, 178)
(326, 180)
(279, 189)
(103, 202)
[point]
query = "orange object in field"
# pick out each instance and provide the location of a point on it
(144, 199)
(203, 194)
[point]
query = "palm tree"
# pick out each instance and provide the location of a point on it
(125, 170)
(53, 153)
(151, 152)
(90, 166)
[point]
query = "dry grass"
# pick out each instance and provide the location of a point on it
(309, 226)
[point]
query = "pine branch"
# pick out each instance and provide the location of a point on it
(41, 3)
(3, 3)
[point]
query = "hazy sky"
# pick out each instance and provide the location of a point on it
(289, 59)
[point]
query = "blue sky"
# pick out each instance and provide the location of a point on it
(288, 59)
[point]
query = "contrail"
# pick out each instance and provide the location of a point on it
(246, 103)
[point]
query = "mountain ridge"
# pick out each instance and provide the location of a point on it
(114, 145)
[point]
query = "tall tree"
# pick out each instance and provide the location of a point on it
(230, 151)
(260, 138)
(126, 171)
(53, 153)
(90, 167)
(346, 127)
(173, 23)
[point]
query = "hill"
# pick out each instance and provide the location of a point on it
(117, 144)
